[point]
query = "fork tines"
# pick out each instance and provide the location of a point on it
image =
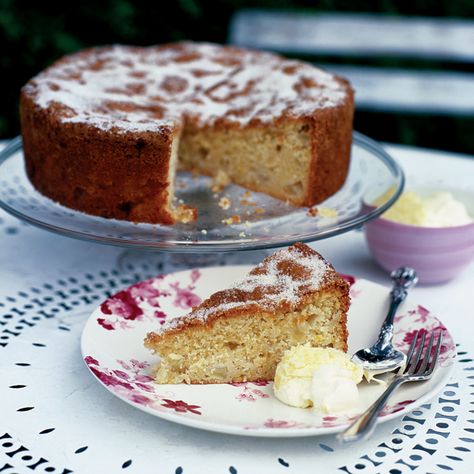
(422, 361)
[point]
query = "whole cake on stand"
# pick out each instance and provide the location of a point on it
(104, 130)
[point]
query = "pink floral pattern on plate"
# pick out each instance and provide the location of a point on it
(118, 359)
(272, 423)
(328, 421)
(420, 320)
(180, 406)
(134, 384)
(319, 422)
(396, 407)
(144, 300)
(249, 392)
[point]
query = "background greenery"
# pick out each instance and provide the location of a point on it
(33, 34)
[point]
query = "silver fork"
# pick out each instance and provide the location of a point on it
(419, 367)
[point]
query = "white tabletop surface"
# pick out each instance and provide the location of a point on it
(115, 433)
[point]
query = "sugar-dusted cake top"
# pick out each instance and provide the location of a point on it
(279, 283)
(128, 88)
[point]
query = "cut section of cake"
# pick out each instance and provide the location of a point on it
(240, 334)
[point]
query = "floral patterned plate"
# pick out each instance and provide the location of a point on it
(112, 347)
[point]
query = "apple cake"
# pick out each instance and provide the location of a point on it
(240, 334)
(105, 129)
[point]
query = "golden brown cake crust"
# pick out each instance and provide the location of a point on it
(331, 150)
(98, 126)
(90, 170)
(283, 282)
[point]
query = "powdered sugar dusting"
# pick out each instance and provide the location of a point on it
(279, 282)
(144, 89)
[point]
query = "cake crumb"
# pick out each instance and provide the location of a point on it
(327, 212)
(321, 212)
(224, 203)
(185, 214)
(220, 181)
(235, 219)
(246, 202)
(259, 210)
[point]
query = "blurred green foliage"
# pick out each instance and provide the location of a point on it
(33, 34)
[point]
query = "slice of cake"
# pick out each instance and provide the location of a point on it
(293, 297)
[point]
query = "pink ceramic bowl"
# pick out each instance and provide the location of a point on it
(437, 254)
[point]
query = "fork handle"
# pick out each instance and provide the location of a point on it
(363, 426)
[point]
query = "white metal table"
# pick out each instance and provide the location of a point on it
(54, 417)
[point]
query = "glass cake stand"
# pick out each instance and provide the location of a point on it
(264, 222)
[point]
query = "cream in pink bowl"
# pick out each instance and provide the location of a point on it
(438, 254)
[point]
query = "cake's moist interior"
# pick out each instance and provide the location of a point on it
(248, 348)
(181, 212)
(272, 160)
